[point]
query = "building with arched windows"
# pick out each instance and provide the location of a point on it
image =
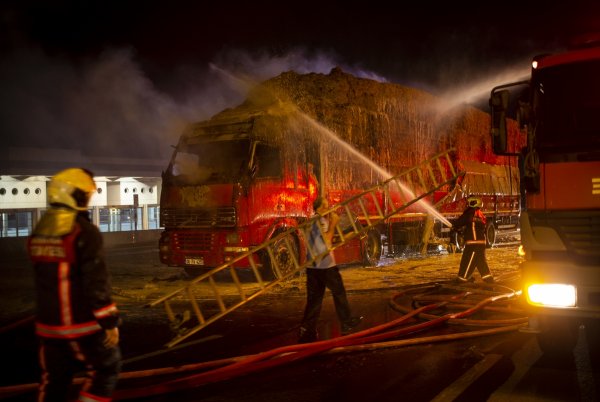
(127, 196)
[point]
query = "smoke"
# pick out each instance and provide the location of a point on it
(104, 107)
(262, 65)
(109, 106)
(233, 73)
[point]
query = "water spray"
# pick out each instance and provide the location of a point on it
(381, 171)
(481, 88)
(289, 107)
(243, 84)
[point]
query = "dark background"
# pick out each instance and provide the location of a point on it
(122, 77)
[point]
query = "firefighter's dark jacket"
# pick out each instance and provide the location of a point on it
(474, 222)
(72, 281)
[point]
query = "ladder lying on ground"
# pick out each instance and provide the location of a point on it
(372, 207)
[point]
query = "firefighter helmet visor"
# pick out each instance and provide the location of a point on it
(72, 187)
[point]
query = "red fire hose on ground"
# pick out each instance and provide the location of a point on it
(435, 304)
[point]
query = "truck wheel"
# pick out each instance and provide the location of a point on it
(372, 249)
(490, 235)
(558, 336)
(283, 256)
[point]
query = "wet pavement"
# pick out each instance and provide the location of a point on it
(419, 372)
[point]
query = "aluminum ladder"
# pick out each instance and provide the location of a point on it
(205, 299)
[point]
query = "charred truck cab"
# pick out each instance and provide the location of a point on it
(233, 184)
(226, 190)
(559, 107)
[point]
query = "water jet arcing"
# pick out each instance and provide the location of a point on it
(239, 83)
(479, 89)
(381, 171)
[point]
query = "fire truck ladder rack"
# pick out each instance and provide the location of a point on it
(358, 214)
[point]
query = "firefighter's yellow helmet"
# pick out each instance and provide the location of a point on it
(72, 187)
(474, 202)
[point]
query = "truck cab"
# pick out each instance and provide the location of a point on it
(232, 185)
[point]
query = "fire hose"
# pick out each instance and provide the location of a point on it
(362, 340)
(424, 306)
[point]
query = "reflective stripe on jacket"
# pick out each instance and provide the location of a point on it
(72, 282)
(67, 331)
(474, 222)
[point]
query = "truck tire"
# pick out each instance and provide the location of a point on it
(372, 249)
(490, 235)
(283, 254)
(558, 336)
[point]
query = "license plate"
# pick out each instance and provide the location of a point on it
(194, 261)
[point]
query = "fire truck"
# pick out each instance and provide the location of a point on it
(558, 108)
(237, 181)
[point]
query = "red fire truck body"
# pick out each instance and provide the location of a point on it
(560, 223)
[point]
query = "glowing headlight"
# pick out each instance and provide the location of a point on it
(552, 295)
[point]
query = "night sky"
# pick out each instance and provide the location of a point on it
(122, 77)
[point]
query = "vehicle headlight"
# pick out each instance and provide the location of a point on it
(552, 295)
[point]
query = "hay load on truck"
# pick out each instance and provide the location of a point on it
(494, 178)
(249, 173)
(558, 109)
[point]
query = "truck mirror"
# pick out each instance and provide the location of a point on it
(499, 105)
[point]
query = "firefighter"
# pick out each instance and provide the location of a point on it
(473, 220)
(76, 320)
(324, 274)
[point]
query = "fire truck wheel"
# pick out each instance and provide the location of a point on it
(372, 249)
(283, 256)
(490, 235)
(558, 336)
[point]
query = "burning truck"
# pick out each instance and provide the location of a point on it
(251, 172)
